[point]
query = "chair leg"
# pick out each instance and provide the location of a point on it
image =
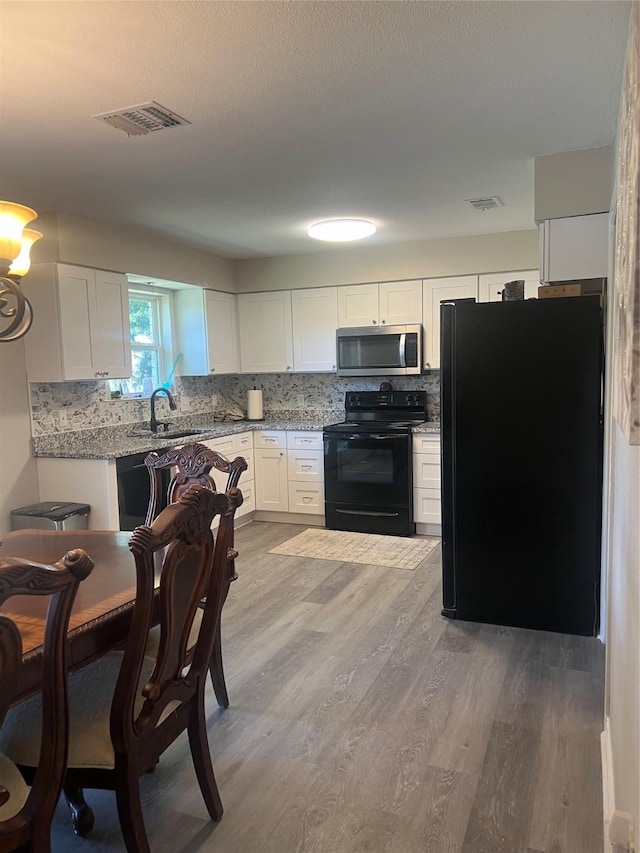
(199, 745)
(81, 815)
(130, 814)
(216, 670)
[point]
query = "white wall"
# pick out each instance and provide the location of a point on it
(75, 240)
(573, 183)
(513, 250)
(18, 475)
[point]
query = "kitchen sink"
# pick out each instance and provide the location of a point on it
(178, 434)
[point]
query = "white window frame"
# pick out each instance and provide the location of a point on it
(164, 321)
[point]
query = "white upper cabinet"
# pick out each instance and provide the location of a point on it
(207, 332)
(315, 320)
(491, 284)
(400, 302)
(266, 338)
(80, 326)
(358, 305)
(574, 247)
(389, 303)
(435, 291)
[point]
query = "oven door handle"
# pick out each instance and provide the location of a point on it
(374, 435)
(367, 512)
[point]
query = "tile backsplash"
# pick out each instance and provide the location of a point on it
(60, 406)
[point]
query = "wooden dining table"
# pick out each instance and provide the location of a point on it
(103, 607)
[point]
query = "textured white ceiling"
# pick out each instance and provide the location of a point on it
(391, 111)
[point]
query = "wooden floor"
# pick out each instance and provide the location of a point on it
(361, 720)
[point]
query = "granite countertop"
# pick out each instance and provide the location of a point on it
(115, 442)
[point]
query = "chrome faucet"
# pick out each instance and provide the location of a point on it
(154, 423)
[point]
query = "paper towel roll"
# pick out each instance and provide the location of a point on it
(254, 405)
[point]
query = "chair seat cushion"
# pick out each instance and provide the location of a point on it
(90, 694)
(11, 779)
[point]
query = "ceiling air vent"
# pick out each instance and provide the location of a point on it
(144, 118)
(487, 202)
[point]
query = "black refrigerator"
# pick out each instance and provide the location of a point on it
(521, 437)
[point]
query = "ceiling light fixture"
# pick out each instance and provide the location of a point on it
(341, 230)
(15, 243)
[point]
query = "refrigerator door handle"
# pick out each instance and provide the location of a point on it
(448, 456)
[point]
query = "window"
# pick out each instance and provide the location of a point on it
(146, 343)
(150, 321)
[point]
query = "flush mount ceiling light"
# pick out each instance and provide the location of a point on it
(341, 230)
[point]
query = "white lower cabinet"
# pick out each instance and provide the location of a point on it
(270, 452)
(232, 446)
(91, 481)
(426, 483)
(305, 467)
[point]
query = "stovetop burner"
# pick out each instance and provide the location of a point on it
(373, 411)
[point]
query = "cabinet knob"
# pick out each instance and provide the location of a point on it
(426, 364)
(383, 322)
(333, 366)
(288, 367)
(375, 322)
(212, 370)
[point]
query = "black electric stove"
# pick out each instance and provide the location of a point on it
(368, 472)
(369, 411)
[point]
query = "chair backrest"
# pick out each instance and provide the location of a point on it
(192, 568)
(194, 462)
(60, 581)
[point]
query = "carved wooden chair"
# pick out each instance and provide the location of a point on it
(126, 708)
(25, 814)
(194, 463)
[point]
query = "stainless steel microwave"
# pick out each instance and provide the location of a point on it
(379, 351)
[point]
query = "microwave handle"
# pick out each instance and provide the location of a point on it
(402, 350)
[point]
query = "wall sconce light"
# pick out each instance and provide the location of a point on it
(15, 244)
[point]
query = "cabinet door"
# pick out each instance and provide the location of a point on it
(574, 247)
(221, 331)
(271, 484)
(76, 296)
(110, 335)
(80, 326)
(315, 320)
(400, 302)
(266, 341)
(490, 285)
(434, 291)
(358, 305)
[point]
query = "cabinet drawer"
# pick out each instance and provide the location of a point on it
(225, 445)
(248, 493)
(244, 442)
(426, 506)
(426, 471)
(426, 443)
(248, 474)
(270, 438)
(306, 497)
(306, 466)
(304, 440)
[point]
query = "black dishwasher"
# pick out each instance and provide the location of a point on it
(134, 488)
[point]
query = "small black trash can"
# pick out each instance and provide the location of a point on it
(51, 515)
